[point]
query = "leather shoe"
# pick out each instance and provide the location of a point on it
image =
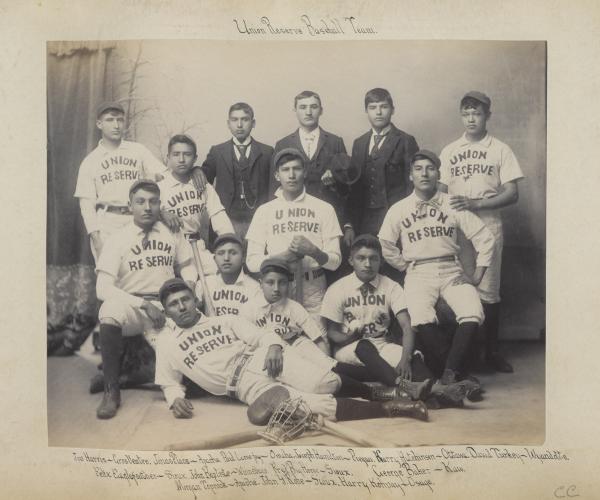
(413, 409)
(386, 393)
(110, 402)
(416, 390)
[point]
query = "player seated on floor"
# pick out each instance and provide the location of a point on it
(426, 225)
(359, 309)
(228, 355)
(231, 287)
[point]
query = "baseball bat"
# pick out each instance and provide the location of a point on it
(299, 281)
(351, 435)
(209, 307)
(214, 443)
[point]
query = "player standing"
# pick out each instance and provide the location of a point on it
(481, 174)
(426, 226)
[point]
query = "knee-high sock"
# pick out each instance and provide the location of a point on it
(111, 347)
(352, 388)
(460, 345)
(379, 367)
(352, 409)
(357, 372)
(491, 326)
(434, 344)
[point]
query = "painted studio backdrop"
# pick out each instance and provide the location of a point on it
(178, 86)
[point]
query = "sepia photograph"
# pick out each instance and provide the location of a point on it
(309, 243)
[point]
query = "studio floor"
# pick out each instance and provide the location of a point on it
(512, 412)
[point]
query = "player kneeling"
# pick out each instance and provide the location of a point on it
(228, 355)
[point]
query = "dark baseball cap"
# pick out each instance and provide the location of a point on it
(367, 239)
(143, 183)
(478, 96)
(227, 238)
(288, 151)
(171, 286)
(109, 106)
(425, 153)
(279, 264)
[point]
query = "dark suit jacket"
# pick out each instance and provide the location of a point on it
(394, 157)
(329, 144)
(218, 168)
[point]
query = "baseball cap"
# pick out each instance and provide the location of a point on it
(478, 96)
(342, 169)
(227, 238)
(109, 105)
(279, 264)
(367, 239)
(288, 151)
(142, 182)
(427, 154)
(171, 286)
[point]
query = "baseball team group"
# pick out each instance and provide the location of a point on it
(365, 284)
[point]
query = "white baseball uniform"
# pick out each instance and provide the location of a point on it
(427, 232)
(129, 271)
(229, 298)
(104, 179)
(346, 304)
(197, 212)
(291, 321)
(225, 355)
(275, 224)
(477, 170)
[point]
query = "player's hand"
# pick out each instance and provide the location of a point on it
(355, 327)
(462, 203)
(155, 314)
(289, 256)
(301, 245)
(274, 361)
(349, 236)
(182, 408)
(199, 179)
(170, 220)
(403, 368)
(96, 242)
(327, 178)
(291, 333)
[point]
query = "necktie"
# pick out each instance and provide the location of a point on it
(309, 142)
(377, 138)
(366, 289)
(242, 149)
(145, 238)
(423, 204)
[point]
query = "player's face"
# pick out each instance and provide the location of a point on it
(424, 175)
(365, 262)
(229, 258)
(274, 286)
(240, 124)
(474, 120)
(379, 114)
(112, 125)
(145, 207)
(182, 308)
(291, 176)
(308, 111)
(181, 158)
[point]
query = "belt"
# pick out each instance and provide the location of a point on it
(147, 296)
(313, 275)
(445, 258)
(238, 370)
(113, 209)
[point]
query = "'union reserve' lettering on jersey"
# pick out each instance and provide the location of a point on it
(152, 253)
(433, 223)
(471, 162)
(299, 220)
(197, 343)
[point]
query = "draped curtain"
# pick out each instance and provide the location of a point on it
(80, 76)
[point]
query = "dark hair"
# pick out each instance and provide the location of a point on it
(276, 269)
(359, 243)
(182, 139)
(174, 289)
(470, 102)
(242, 106)
(151, 187)
(378, 95)
(283, 159)
(305, 94)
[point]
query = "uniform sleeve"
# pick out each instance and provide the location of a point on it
(85, 187)
(389, 234)
(166, 376)
(153, 168)
(332, 307)
(184, 258)
(257, 240)
(445, 166)
(251, 334)
(481, 237)
(397, 298)
(107, 290)
(306, 322)
(110, 257)
(88, 213)
(331, 239)
(213, 203)
(510, 170)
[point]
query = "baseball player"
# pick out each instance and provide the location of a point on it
(134, 263)
(231, 288)
(426, 226)
(196, 211)
(228, 355)
(298, 228)
(481, 174)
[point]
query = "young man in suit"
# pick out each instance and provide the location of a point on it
(383, 156)
(239, 169)
(318, 147)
